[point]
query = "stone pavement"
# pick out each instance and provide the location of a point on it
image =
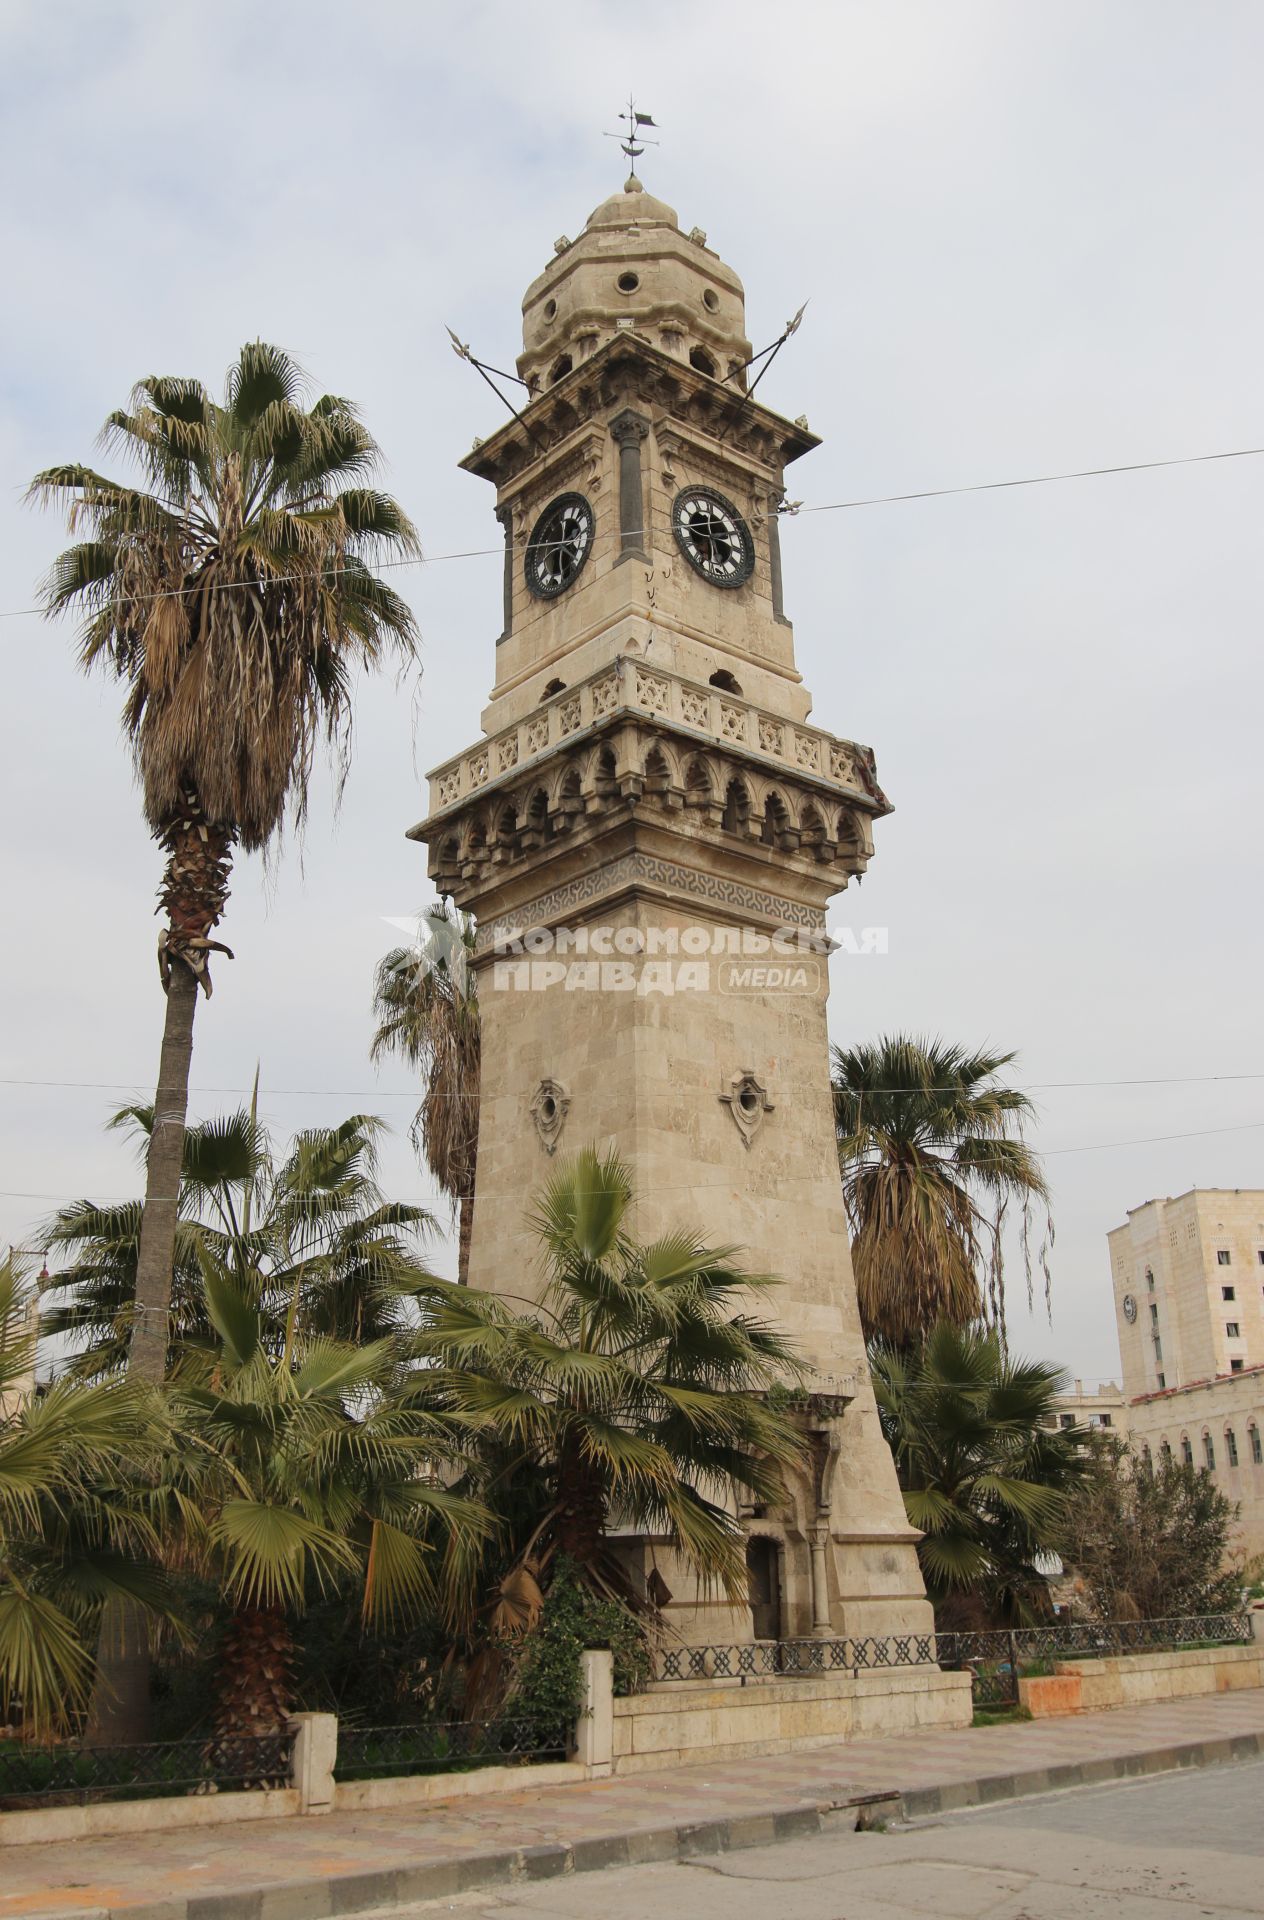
(304, 1869)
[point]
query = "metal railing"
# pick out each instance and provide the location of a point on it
(447, 1746)
(997, 1661)
(72, 1776)
(787, 1659)
(994, 1659)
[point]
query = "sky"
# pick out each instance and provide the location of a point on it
(1025, 230)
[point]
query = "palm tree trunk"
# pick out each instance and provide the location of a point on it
(254, 1664)
(194, 889)
(147, 1356)
(581, 1502)
(465, 1233)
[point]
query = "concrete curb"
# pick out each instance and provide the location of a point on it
(920, 1802)
(365, 1893)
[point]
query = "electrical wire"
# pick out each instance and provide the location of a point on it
(696, 1186)
(412, 1093)
(787, 512)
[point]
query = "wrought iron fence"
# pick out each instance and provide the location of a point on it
(447, 1746)
(71, 1775)
(995, 1660)
(789, 1658)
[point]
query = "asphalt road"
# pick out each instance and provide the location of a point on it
(1183, 1844)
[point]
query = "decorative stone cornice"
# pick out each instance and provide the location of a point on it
(843, 768)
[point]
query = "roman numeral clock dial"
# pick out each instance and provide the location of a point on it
(713, 537)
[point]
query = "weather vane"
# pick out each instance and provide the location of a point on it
(631, 139)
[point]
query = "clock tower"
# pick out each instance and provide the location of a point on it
(649, 832)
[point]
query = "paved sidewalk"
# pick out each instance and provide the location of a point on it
(304, 1869)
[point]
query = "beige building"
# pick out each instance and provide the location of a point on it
(1105, 1407)
(1188, 1282)
(649, 830)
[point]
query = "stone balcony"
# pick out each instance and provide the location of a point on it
(710, 715)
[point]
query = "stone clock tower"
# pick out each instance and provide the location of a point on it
(649, 832)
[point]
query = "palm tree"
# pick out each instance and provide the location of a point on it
(636, 1390)
(300, 1469)
(232, 592)
(932, 1156)
(984, 1468)
(73, 1529)
(312, 1232)
(425, 1006)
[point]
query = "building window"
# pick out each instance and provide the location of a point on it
(1104, 1420)
(1158, 1351)
(1228, 1293)
(1150, 1278)
(1154, 1315)
(1233, 1329)
(1257, 1451)
(1223, 1257)
(1235, 1366)
(1191, 1229)
(1231, 1446)
(1066, 1420)
(1187, 1450)
(1162, 1389)
(1209, 1452)
(1145, 1455)
(1165, 1450)
(1260, 1256)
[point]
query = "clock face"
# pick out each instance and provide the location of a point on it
(561, 541)
(713, 537)
(1130, 1308)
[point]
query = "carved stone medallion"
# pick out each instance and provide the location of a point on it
(747, 1101)
(549, 1109)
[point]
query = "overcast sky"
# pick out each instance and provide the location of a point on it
(1030, 233)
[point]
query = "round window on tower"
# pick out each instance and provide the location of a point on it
(711, 300)
(550, 309)
(628, 282)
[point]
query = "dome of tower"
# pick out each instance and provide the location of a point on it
(632, 271)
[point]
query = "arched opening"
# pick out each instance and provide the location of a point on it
(697, 785)
(776, 821)
(560, 368)
(737, 807)
(763, 1588)
(1257, 1451)
(554, 686)
(813, 830)
(570, 801)
(657, 774)
(702, 360)
(1231, 1447)
(536, 827)
(604, 774)
(507, 831)
(725, 682)
(1187, 1450)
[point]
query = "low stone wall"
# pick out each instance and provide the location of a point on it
(682, 1724)
(1138, 1679)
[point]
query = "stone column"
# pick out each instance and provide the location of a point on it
(594, 1735)
(505, 516)
(628, 429)
(821, 1629)
(774, 556)
(315, 1751)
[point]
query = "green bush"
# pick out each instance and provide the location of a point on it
(548, 1685)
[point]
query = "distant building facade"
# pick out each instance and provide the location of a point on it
(1188, 1282)
(1106, 1407)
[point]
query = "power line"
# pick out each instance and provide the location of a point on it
(1033, 480)
(789, 512)
(412, 1093)
(696, 1186)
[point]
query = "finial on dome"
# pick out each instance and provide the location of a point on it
(632, 185)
